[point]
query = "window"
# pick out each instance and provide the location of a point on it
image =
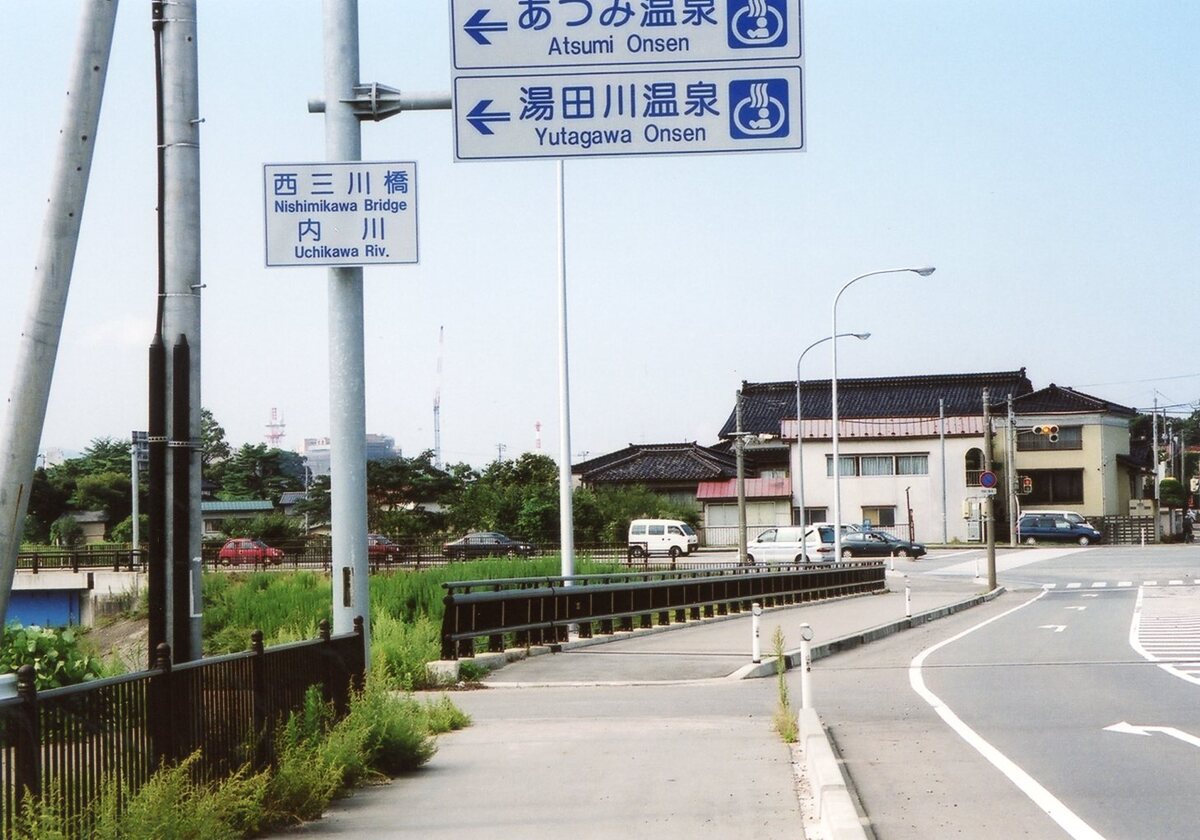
(916, 463)
(1069, 437)
(1054, 487)
(849, 465)
(657, 530)
(811, 514)
(639, 528)
(674, 529)
(880, 517)
(877, 465)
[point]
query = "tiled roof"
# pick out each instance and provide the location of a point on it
(242, 506)
(756, 488)
(886, 427)
(1055, 400)
(766, 404)
(657, 462)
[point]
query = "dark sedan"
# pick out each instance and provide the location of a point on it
(487, 544)
(878, 544)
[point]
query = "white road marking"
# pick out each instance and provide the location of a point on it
(1081, 609)
(1125, 583)
(1100, 584)
(1149, 583)
(1174, 583)
(1090, 595)
(1074, 585)
(1057, 628)
(1163, 630)
(1011, 559)
(1134, 729)
(1067, 819)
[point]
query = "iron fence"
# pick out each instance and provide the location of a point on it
(534, 611)
(117, 559)
(70, 742)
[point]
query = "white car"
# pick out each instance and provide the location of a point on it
(783, 544)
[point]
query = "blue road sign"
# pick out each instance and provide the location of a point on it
(527, 34)
(656, 112)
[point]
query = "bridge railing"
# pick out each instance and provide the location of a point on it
(70, 742)
(536, 611)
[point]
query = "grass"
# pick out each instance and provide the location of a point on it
(785, 715)
(317, 758)
(406, 609)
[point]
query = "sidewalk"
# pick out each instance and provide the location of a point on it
(651, 732)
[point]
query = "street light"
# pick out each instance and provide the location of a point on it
(800, 435)
(837, 465)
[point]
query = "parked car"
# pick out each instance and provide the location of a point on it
(878, 544)
(382, 550)
(255, 552)
(784, 545)
(661, 536)
(487, 544)
(1035, 527)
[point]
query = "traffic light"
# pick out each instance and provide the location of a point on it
(1050, 430)
(1026, 485)
(1194, 485)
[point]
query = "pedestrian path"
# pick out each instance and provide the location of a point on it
(647, 734)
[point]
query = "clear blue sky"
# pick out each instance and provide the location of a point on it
(1045, 156)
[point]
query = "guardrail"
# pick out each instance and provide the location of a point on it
(533, 611)
(117, 559)
(69, 742)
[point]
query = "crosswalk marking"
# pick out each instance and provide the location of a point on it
(1100, 584)
(1166, 628)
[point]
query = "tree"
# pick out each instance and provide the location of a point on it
(257, 472)
(66, 531)
(316, 507)
(399, 489)
(214, 447)
(1171, 493)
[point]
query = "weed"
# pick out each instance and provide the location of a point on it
(785, 715)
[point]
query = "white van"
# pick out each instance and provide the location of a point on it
(1070, 515)
(783, 544)
(661, 536)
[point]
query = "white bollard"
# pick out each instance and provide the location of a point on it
(907, 598)
(976, 568)
(893, 562)
(806, 635)
(756, 643)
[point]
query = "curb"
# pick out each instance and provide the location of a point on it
(766, 668)
(833, 806)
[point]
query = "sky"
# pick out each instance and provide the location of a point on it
(1044, 155)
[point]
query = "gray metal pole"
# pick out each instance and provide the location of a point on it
(1011, 457)
(740, 450)
(989, 502)
(347, 389)
(942, 436)
(181, 313)
(38, 346)
(566, 518)
(136, 536)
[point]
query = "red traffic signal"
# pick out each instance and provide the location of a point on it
(1026, 484)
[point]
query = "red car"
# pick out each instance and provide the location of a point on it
(382, 550)
(255, 552)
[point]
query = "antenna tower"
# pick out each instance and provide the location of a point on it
(275, 429)
(437, 407)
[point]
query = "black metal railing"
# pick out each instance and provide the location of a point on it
(69, 742)
(74, 560)
(534, 611)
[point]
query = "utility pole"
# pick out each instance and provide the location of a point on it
(38, 345)
(740, 450)
(1011, 457)
(174, 422)
(347, 386)
(989, 501)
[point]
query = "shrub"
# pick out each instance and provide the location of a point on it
(55, 655)
(785, 716)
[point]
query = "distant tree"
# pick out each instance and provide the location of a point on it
(47, 502)
(214, 447)
(271, 528)
(1171, 493)
(123, 530)
(509, 496)
(107, 491)
(258, 472)
(398, 491)
(316, 506)
(66, 531)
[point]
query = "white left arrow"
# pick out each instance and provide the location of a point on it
(1133, 729)
(1057, 628)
